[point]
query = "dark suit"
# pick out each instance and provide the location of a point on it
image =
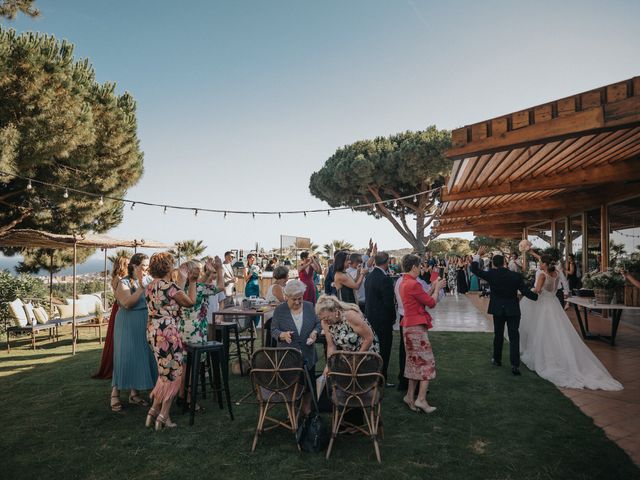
(282, 321)
(504, 305)
(380, 310)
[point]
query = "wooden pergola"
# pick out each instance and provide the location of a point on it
(27, 238)
(544, 163)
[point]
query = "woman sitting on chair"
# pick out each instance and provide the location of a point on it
(295, 324)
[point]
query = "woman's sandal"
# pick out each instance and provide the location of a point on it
(162, 422)
(116, 406)
(151, 416)
(137, 400)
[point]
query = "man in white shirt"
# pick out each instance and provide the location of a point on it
(515, 264)
(355, 260)
(229, 275)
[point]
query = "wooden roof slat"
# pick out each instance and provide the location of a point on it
(478, 166)
(603, 145)
(571, 145)
(505, 167)
(568, 159)
(625, 150)
(496, 159)
(538, 158)
(29, 238)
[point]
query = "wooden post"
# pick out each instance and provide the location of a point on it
(525, 266)
(585, 243)
(104, 293)
(554, 237)
(604, 238)
(73, 303)
(568, 240)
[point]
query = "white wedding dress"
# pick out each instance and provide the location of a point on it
(550, 346)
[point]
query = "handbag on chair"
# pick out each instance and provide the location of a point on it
(312, 434)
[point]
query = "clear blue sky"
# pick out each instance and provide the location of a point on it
(240, 101)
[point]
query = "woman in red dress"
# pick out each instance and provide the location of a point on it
(106, 362)
(420, 366)
(306, 269)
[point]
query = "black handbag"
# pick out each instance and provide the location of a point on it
(312, 434)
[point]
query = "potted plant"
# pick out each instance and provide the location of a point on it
(603, 284)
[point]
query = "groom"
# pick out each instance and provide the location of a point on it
(504, 306)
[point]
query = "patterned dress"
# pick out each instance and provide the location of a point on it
(164, 337)
(452, 278)
(193, 321)
(344, 338)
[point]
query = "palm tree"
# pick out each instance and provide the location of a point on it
(188, 249)
(121, 252)
(334, 246)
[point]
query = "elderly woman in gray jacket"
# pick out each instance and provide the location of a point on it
(295, 324)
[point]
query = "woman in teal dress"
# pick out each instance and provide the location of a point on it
(252, 277)
(474, 284)
(134, 367)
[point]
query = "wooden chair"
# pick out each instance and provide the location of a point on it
(277, 375)
(355, 381)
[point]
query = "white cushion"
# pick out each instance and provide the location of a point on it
(97, 294)
(65, 311)
(42, 316)
(31, 316)
(17, 312)
(85, 303)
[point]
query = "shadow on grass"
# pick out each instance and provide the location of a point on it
(489, 424)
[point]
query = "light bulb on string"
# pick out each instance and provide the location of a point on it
(29, 186)
(328, 212)
(305, 214)
(101, 201)
(253, 214)
(195, 214)
(66, 193)
(415, 198)
(133, 206)
(225, 215)
(279, 215)
(395, 203)
(164, 211)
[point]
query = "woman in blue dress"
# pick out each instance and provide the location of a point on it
(251, 277)
(134, 366)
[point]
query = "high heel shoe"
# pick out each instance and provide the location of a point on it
(410, 404)
(151, 416)
(162, 422)
(425, 408)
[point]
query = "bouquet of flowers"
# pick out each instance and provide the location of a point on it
(608, 280)
(525, 245)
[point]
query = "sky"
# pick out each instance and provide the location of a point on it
(239, 102)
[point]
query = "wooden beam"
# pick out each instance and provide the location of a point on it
(628, 170)
(523, 217)
(600, 109)
(578, 201)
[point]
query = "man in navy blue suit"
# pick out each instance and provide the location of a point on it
(504, 305)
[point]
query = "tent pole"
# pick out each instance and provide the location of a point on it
(51, 282)
(73, 323)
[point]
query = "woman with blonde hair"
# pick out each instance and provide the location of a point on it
(344, 326)
(165, 300)
(106, 362)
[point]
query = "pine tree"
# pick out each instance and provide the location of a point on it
(10, 8)
(58, 125)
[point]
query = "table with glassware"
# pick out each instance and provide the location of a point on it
(591, 304)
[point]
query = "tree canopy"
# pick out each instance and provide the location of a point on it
(10, 8)
(388, 168)
(58, 125)
(450, 246)
(505, 245)
(188, 249)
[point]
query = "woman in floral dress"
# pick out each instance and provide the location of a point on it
(165, 300)
(193, 321)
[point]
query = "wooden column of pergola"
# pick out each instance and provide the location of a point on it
(545, 163)
(27, 238)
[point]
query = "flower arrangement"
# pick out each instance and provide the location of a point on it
(608, 280)
(524, 245)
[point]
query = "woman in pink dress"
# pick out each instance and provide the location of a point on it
(306, 269)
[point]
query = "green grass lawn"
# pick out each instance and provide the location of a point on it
(489, 424)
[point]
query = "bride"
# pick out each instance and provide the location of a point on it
(550, 345)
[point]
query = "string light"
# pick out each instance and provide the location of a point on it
(101, 199)
(195, 214)
(164, 212)
(253, 214)
(395, 203)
